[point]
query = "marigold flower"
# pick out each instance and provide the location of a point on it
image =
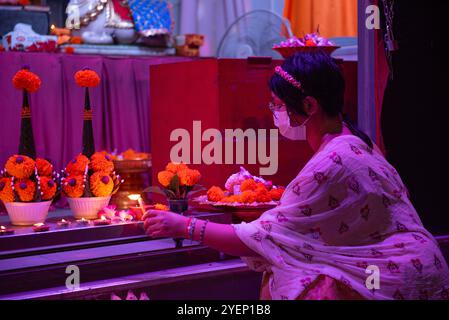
(77, 166)
(24, 79)
(262, 195)
(161, 207)
(215, 194)
(276, 194)
(44, 167)
(48, 188)
(101, 184)
(164, 178)
(87, 78)
(176, 167)
(25, 189)
(248, 196)
(69, 50)
(20, 167)
(248, 184)
(6, 192)
(189, 177)
(102, 161)
(73, 186)
(231, 199)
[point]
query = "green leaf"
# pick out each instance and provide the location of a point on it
(174, 185)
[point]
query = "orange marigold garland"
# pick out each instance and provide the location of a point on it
(87, 78)
(6, 191)
(44, 167)
(25, 189)
(20, 166)
(73, 186)
(77, 166)
(24, 79)
(48, 188)
(101, 184)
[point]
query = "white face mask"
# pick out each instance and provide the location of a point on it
(282, 121)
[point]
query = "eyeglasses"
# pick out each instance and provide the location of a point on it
(276, 107)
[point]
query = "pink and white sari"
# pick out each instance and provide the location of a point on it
(346, 210)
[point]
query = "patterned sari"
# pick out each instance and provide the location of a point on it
(347, 210)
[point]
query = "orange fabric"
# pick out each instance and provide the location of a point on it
(336, 18)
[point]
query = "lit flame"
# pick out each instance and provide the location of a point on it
(38, 224)
(63, 221)
(134, 197)
(52, 27)
(2, 227)
(103, 218)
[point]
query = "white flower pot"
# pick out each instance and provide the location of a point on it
(27, 213)
(87, 208)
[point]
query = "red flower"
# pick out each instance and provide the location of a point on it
(24, 79)
(87, 78)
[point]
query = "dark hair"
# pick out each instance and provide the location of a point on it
(322, 79)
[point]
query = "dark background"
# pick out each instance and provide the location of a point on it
(415, 117)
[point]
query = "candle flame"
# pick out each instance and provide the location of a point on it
(38, 224)
(103, 218)
(63, 220)
(2, 227)
(134, 197)
(52, 27)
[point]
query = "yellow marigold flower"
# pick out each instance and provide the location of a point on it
(215, 194)
(164, 178)
(20, 167)
(161, 207)
(176, 167)
(248, 184)
(77, 165)
(189, 177)
(44, 167)
(102, 161)
(48, 188)
(6, 192)
(25, 189)
(101, 184)
(73, 186)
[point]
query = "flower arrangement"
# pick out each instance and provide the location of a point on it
(87, 78)
(243, 188)
(94, 177)
(178, 180)
(27, 180)
(26, 80)
(311, 42)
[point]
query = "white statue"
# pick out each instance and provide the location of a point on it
(102, 21)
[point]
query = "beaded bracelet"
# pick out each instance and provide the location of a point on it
(191, 228)
(188, 225)
(203, 231)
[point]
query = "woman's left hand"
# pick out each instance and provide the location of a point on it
(160, 224)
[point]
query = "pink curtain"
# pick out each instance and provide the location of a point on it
(121, 103)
